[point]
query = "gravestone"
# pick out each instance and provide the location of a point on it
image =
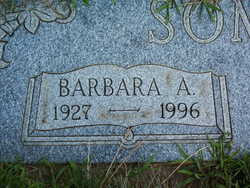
(118, 82)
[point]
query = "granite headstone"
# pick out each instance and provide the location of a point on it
(118, 81)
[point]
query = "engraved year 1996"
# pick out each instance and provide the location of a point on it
(71, 112)
(183, 109)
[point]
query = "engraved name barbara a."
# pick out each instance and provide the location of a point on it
(135, 86)
(107, 87)
(239, 14)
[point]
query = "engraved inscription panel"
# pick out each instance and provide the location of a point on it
(107, 104)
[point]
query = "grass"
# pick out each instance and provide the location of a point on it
(73, 175)
(164, 8)
(225, 169)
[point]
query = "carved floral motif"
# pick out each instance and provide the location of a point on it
(30, 16)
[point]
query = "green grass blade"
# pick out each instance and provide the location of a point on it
(213, 7)
(85, 2)
(186, 172)
(114, 2)
(182, 151)
(161, 8)
(176, 7)
(60, 173)
(185, 182)
(221, 186)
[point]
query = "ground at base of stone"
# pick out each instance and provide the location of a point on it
(46, 174)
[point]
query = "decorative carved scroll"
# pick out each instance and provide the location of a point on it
(30, 16)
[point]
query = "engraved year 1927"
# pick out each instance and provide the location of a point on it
(71, 112)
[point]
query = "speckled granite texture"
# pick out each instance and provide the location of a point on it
(108, 34)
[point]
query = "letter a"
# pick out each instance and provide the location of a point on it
(153, 84)
(183, 87)
(122, 87)
(78, 88)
